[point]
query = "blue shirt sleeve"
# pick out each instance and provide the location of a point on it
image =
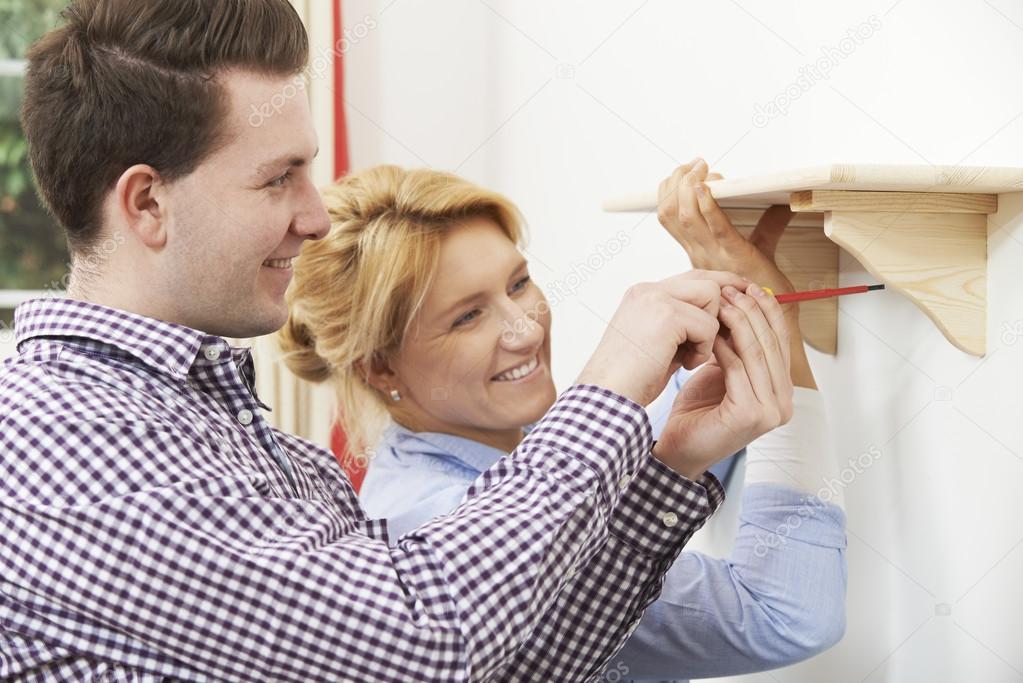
(779, 598)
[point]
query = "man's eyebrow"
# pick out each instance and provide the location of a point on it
(288, 160)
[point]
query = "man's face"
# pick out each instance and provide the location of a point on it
(234, 222)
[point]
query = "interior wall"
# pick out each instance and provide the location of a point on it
(561, 104)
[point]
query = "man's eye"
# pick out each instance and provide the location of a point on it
(466, 318)
(280, 182)
(521, 284)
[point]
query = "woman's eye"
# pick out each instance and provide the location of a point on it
(521, 284)
(280, 182)
(467, 318)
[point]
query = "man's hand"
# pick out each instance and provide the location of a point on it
(658, 328)
(743, 392)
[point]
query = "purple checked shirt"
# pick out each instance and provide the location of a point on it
(155, 527)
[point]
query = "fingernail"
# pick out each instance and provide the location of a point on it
(755, 290)
(729, 291)
(700, 191)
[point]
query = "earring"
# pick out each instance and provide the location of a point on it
(395, 396)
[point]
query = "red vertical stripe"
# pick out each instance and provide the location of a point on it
(338, 438)
(340, 126)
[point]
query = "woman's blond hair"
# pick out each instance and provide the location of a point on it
(355, 292)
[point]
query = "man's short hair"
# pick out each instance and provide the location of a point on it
(124, 82)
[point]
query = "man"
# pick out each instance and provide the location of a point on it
(155, 526)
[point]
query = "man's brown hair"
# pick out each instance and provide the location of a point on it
(124, 82)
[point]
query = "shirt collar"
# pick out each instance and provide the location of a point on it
(473, 454)
(166, 347)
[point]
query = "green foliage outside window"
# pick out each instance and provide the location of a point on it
(33, 252)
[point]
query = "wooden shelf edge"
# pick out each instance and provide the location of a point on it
(920, 230)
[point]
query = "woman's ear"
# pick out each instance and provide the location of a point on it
(377, 372)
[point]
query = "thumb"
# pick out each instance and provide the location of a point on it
(770, 228)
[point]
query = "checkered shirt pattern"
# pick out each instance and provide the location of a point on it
(156, 528)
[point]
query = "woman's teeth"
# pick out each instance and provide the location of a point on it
(516, 373)
(282, 263)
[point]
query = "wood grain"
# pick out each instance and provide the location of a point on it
(764, 190)
(910, 202)
(939, 261)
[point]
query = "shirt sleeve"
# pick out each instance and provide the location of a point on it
(658, 513)
(212, 575)
(778, 599)
(799, 454)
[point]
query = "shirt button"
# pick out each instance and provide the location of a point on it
(623, 483)
(245, 417)
(670, 519)
(211, 353)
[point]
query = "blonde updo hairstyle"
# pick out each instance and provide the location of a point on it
(355, 292)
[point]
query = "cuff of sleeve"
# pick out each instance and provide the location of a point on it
(589, 425)
(785, 511)
(660, 509)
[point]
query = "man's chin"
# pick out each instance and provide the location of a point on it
(267, 320)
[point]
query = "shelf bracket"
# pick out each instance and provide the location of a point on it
(931, 247)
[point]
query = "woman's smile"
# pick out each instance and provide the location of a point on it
(524, 372)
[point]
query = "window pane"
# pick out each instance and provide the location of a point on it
(33, 252)
(24, 21)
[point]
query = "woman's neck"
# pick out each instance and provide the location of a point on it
(506, 440)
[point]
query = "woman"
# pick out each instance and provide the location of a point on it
(418, 307)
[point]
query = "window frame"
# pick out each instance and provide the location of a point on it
(13, 67)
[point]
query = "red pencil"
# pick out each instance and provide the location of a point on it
(822, 293)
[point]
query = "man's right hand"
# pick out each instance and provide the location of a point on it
(659, 327)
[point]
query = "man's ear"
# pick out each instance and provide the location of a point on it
(139, 198)
(378, 373)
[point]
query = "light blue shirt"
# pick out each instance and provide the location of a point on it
(767, 605)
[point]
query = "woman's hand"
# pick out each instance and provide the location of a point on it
(743, 392)
(689, 213)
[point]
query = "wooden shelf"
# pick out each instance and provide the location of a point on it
(921, 230)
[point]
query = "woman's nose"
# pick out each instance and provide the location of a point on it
(521, 330)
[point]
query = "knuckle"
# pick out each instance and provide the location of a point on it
(744, 302)
(664, 212)
(637, 290)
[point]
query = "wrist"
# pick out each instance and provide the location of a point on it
(689, 470)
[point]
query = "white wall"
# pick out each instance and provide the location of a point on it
(562, 103)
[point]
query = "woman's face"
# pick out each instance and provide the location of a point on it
(476, 359)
